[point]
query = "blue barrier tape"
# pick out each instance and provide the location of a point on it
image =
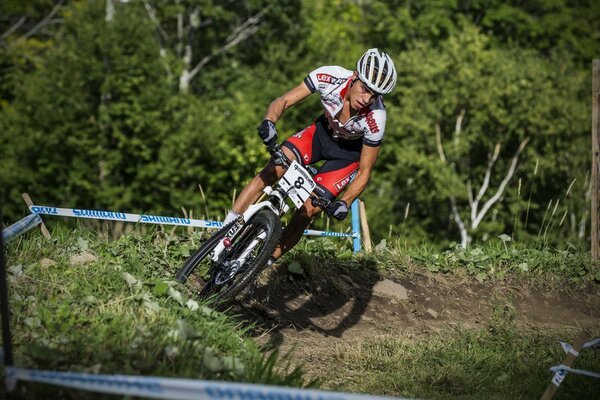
(558, 377)
(176, 388)
(310, 232)
(150, 219)
(569, 349)
(20, 227)
(564, 369)
(592, 343)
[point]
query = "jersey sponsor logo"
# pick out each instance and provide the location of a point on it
(341, 184)
(299, 134)
(329, 79)
(372, 123)
(333, 100)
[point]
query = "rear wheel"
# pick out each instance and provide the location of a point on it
(241, 262)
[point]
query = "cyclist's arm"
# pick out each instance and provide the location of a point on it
(368, 155)
(282, 103)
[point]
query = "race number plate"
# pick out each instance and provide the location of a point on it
(298, 183)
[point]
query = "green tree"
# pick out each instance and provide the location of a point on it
(87, 122)
(493, 96)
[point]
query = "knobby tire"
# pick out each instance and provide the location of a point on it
(272, 225)
(192, 262)
(271, 222)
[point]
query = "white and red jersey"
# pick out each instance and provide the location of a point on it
(332, 82)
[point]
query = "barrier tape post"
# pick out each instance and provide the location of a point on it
(6, 336)
(29, 203)
(567, 362)
(364, 225)
(355, 226)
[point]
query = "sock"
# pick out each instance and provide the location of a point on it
(231, 216)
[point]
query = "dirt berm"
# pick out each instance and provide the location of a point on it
(321, 306)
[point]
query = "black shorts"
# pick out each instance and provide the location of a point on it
(315, 143)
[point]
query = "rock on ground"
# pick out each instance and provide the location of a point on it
(47, 262)
(388, 288)
(82, 258)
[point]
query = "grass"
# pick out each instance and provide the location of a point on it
(501, 360)
(495, 260)
(123, 314)
(463, 364)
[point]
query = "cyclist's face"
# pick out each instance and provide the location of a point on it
(360, 95)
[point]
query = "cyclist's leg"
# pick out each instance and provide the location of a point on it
(292, 233)
(333, 176)
(267, 176)
(305, 145)
(297, 147)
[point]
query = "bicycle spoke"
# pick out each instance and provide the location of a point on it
(240, 262)
(246, 238)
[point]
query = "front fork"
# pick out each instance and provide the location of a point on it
(242, 219)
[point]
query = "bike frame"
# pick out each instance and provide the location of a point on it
(276, 203)
(239, 224)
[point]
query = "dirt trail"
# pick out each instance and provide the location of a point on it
(316, 311)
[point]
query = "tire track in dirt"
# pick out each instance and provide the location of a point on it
(320, 309)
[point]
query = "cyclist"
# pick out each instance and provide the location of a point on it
(347, 136)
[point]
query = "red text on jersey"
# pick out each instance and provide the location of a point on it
(372, 123)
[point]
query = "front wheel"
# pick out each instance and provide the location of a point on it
(196, 259)
(241, 262)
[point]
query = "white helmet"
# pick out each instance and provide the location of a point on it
(376, 70)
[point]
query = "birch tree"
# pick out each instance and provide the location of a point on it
(24, 21)
(27, 30)
(464, 113)
(192, 33)
(480, 203)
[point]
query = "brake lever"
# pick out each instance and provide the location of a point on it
(320, 202)
(278, 155)
(273, 149)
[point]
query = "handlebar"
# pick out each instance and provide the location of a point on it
(280, 158)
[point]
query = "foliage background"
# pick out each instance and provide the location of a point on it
(92, 113)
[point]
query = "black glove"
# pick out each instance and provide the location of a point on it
(337, 209)
(268, 133)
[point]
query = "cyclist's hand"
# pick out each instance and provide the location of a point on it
(337, 209)
(277, 160)
(268, 133)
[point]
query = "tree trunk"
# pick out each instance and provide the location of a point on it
(184, 81)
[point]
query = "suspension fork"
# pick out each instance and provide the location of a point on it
(257, 239)
(237, 227)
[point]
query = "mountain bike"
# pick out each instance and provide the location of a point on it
(238, 252)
